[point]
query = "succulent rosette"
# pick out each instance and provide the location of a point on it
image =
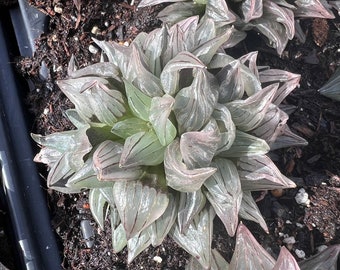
(275, 19)
(169, 132)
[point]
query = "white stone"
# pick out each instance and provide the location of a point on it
(93, 49)
(300, 253)
(289, 240)
(302, 197)
(157, 259)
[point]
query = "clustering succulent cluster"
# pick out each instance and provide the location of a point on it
(275, 19)
(171, 131)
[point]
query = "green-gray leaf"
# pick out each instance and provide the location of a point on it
(194, 104)
(142, 148)
(138, 205)
(246, 145)
(137, 244)
(139, 103)
(224, 193)
(94, 99)
(199, 147)
(130, 126)
(159, 113)
(178, 176)
(260, 173)
(190, 204)
(106, 160)
(249, 254)
(197, 240)
(98, 206)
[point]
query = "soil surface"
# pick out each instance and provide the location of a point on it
(316, 167)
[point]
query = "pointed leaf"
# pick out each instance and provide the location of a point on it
(248, 114)
(140, 76)
(287, 139)
(246, 145)
(250, 211)
(178, 176)
(195, 104)
(95, 100)
(142, 148)
(286, 261)
(249, 254)
(288, 82)
(217, 262)
(197, 240)
(119, 240)
(326, 259)
(139, 103)
(272, 125)
(226, 126)
(159, 113)
(137, 244)
(161, 227)
(313, 9)
(199, 147)
(98, 206)
(190, 204)
(260, 173)
(251, 9)
(138, 205)
(129, 127)
(218, 11)
(331, 88)
(106, 160)
(224, 193)
(170, 76)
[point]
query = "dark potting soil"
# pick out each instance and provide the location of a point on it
(315, 167)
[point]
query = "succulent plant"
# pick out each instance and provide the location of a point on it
(273, 19)
(332, 88)
(169, 132)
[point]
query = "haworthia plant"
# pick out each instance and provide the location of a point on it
(275, 19)
(171, 131)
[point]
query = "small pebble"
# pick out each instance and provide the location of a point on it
(157, 259)
(289, 240)
(302, 197)
(299, 225)
(93, 49)
(300, 253)
(95, 30)
(321, 248)
(58, 9)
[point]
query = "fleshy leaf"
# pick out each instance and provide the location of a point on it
(224, 193)
(94, 99)
(106, 160)
(139, 103)
(218, 11)
(161, 227)
(226, 126)
(260, 173)
(251, 9)
(138, 205)
(194, 104)
(147, 3)
(272, 125)
(190, 204)
(170, 76)
(142, 148)
(199, 147)
(217, 262)
(313, 9)
(250, 211)
(287, 139)
(286, 261)
(137, 244)
(288, 82)
(130, 126)
(178, 176)
(247, 114)
(118, 238)
(197, 240)
(326, 259)
(159, 113)
(98, 206)
(249, 254)
(141, 77)
(246, 145)
(332, 88)
(86, 178)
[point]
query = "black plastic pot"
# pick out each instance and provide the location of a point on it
(22, 191)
